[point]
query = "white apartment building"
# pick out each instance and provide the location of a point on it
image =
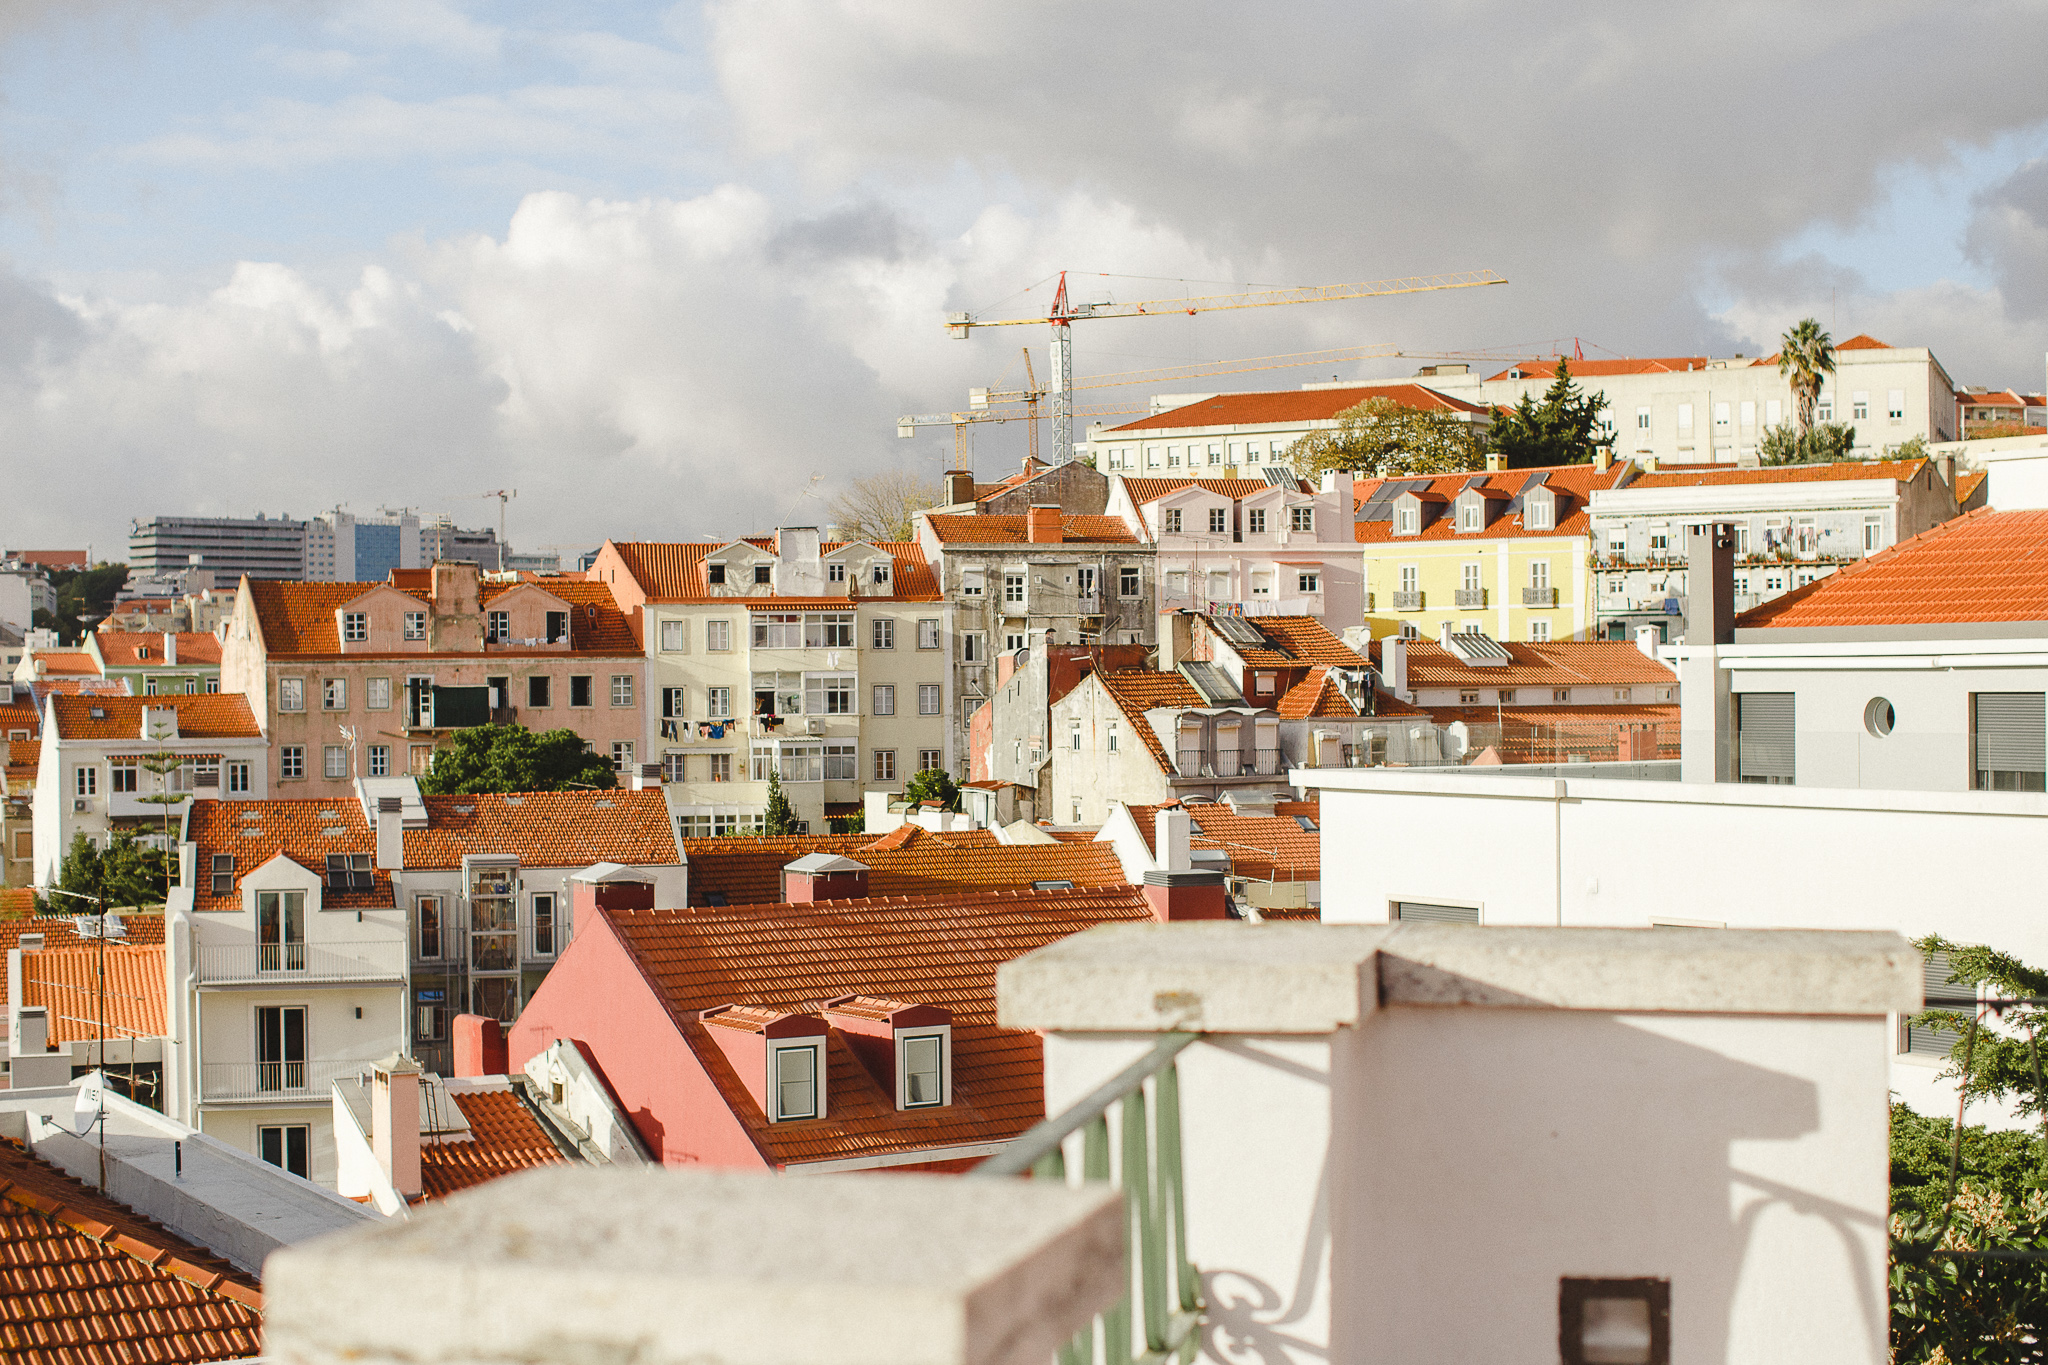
(1277, 546)
(826, 662)
(1793, 525)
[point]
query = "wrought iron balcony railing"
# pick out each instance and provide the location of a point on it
(1471, 597)
(1407, 601)
(1539, 597)
(263, 963)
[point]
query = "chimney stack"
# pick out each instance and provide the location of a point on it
(1710, 584)
(1176, 896)
(1646, 640)
(647, 777)
(959, 486)
(170, 646)
(1443, 635)
(1045, 524)
(395, 1122)
(479, 1046)
(1394, 665)
(390, 834)
(1603, 458)
(1171, 828)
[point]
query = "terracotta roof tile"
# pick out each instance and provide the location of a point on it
(1138, 690)
(1577, 481)
(989, 529)
(1967, 486)
(19, 715)
(1556, 663)
(1699, 476)
(224, 715)
(1985, 565)
(1143, 491)
(933, 950)
(118, 648)
(546, 829)
(64, 979)
(1292, 405)
(909, 861)
(673, 571)
(298, 619)
(1315, 696)
(61, 931)
(254, 832)
(24, 757)
(62, 661)
(88, 1280)
(1295, 640)
(1601, 369)
(1268, 848)
(1862, 341)
(504, 1137)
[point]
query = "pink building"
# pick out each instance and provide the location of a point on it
(366, 679)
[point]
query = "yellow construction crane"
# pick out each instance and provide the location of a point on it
(1063, 313)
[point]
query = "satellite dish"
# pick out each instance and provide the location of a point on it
(91, 1104)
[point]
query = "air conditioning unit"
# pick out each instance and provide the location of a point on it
(814, 726)
(81, 803)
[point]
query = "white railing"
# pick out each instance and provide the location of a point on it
(297, 1081)
(264, 963)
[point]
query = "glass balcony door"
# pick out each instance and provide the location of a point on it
(280, 1047)
(280, 931)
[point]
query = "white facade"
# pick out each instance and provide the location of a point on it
(24, 590)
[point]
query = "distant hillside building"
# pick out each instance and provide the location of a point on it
(232, 548)
(348, 549)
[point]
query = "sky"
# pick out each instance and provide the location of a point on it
(672, 272)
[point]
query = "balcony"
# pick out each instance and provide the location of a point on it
(300, 964)
(305, 1082)
(1407, 601)
(1090, 605)
(1539, 597)
(1470, 597)
(1228, 763)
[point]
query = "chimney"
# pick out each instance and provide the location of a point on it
(1603, 458)
(395, 1122)
(959, 486)
(1394, 665)
(1493, 460)
(390, 834)
(608, 886)
(458, 588)
(1710, 584)
(170, 647)
(479, 1046)
(1176, 896)
(1649, 464)
(1176, 639)
(1947, 465)
(1341, 482)
(1171, 828)
(647, 777)
(798, 570)
(1443, 635)
(1045, 524)
(159, 722)
(1706, 739)
(1646, 640)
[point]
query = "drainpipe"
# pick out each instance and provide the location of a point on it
(1557, 799)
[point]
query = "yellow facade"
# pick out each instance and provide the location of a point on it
(1519, 587)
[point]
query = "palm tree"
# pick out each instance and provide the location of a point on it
(1806, 353)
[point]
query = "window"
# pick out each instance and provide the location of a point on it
(721, 767)
(1763, 738)
(1505, 696)
(1940, 993)
(122, 775)
(291, 694)
(544, 924)
(1720, 416)
(1685, 419)
(291, 762)
(1749, 414)
(1613, 1321)
(539, 690)
(1216, 454)
(717, 636)
(1469, 697)
(427, 912)
(1074, 735)
(970, 582)
(1127, 584)
(885, 699)
(973, 647)
(1409, 578)
(286, 1146)
(1539, 631)
(884, 634)
(1255, 520)
(928, 633)
(238, 778)
(718, 702)
(622, 755)
(673, 766)
(829, 632)
(622, 689)
(928, 699)
(1301, 519)
(1859, 406)
(885, 765)
(1173, 457)
(674, 704)
(761, 573)
(1308, 580)
(1539, 574)
(281, 1047)
(1439, 914)
(377, 693)
(334, 694)
(796, 1083)
(1407, 519)
(1470, 580)
(1895, 405)
(923, 1085)
(1112, 742)
(558, 627)
(928, 760)
(497, 627)
(835, 573)
(85, 781)
(1169, 520)
(1642, 419)
(333, 762)
(1219, 520)
(212, 686)
(345, 872)
(148, 686)
(881, 575)
(778, 630)
(1824, 410)
(2007, 741)
(355, 626)
(828, 694)
(1013, 641)
(380, 760)
(1013, 587)
(580, 690)
(1471, 514)
(1263, 684)
(675, 637)
(714, 573)
(415, 625)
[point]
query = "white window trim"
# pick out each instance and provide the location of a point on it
(816, 1046)
(942, 1032)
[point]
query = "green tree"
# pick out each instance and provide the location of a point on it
(161, 763)
(1805, 353)
(933, 784)
(126, 872)
(1912, 448)
(84, 596)
(781, 818)
(1564, 428)
(1381, 438)
(1824, 444)
(512, 758)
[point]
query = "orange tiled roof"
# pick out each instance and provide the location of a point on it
(223, 715)
(1862, 341)
(1967, 486)
(44, 688)
(932, 950)
(60, 931)
(1296, 640)
(989, 529)
(1577, 482)
(1601, 369)
(57, 662)
(1698, 476)
(1143, 491)
(88, 1280)
(673, 571)
(18, 715)
(1138, 690)
(504, 1137)
(546, 829)
(1985, 565)
(16, 903)
(909, 861)
(24, 757)
(1315, 696)
(1267, 848)
(254, 832)
(64, 979)
(118, 648)
(1554, 663)
(1293, 405)
(298, 619)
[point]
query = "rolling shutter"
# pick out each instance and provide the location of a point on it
(458, 708)
(1436, 914)
(1941, 994)
(2011, 732)
(1763, 737)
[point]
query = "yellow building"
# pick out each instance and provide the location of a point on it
(1503, 552)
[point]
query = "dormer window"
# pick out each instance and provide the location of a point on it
(1539, 511)
(355, 627)
(498, 628)
(906, 1048)
(796, 1082)
(345, 872)
(1408, 519)
(881, 573)
(1255, 521)
(835, 573)
(1471, 514)
(1301, 518)
(716, 572)
(223, 874)
(558, 627)
(921, 1062)
(415, 625)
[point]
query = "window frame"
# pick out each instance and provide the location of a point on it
(355, 627)
(884, 699)
(291, 763)
(882, 633)
(777, 1093)
(941, 1039)
(414, 626)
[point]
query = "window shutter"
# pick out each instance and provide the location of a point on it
(1436, 914)
(1763, 736)
(2012, 732)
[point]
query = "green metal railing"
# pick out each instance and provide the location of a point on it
(1168, 1289)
